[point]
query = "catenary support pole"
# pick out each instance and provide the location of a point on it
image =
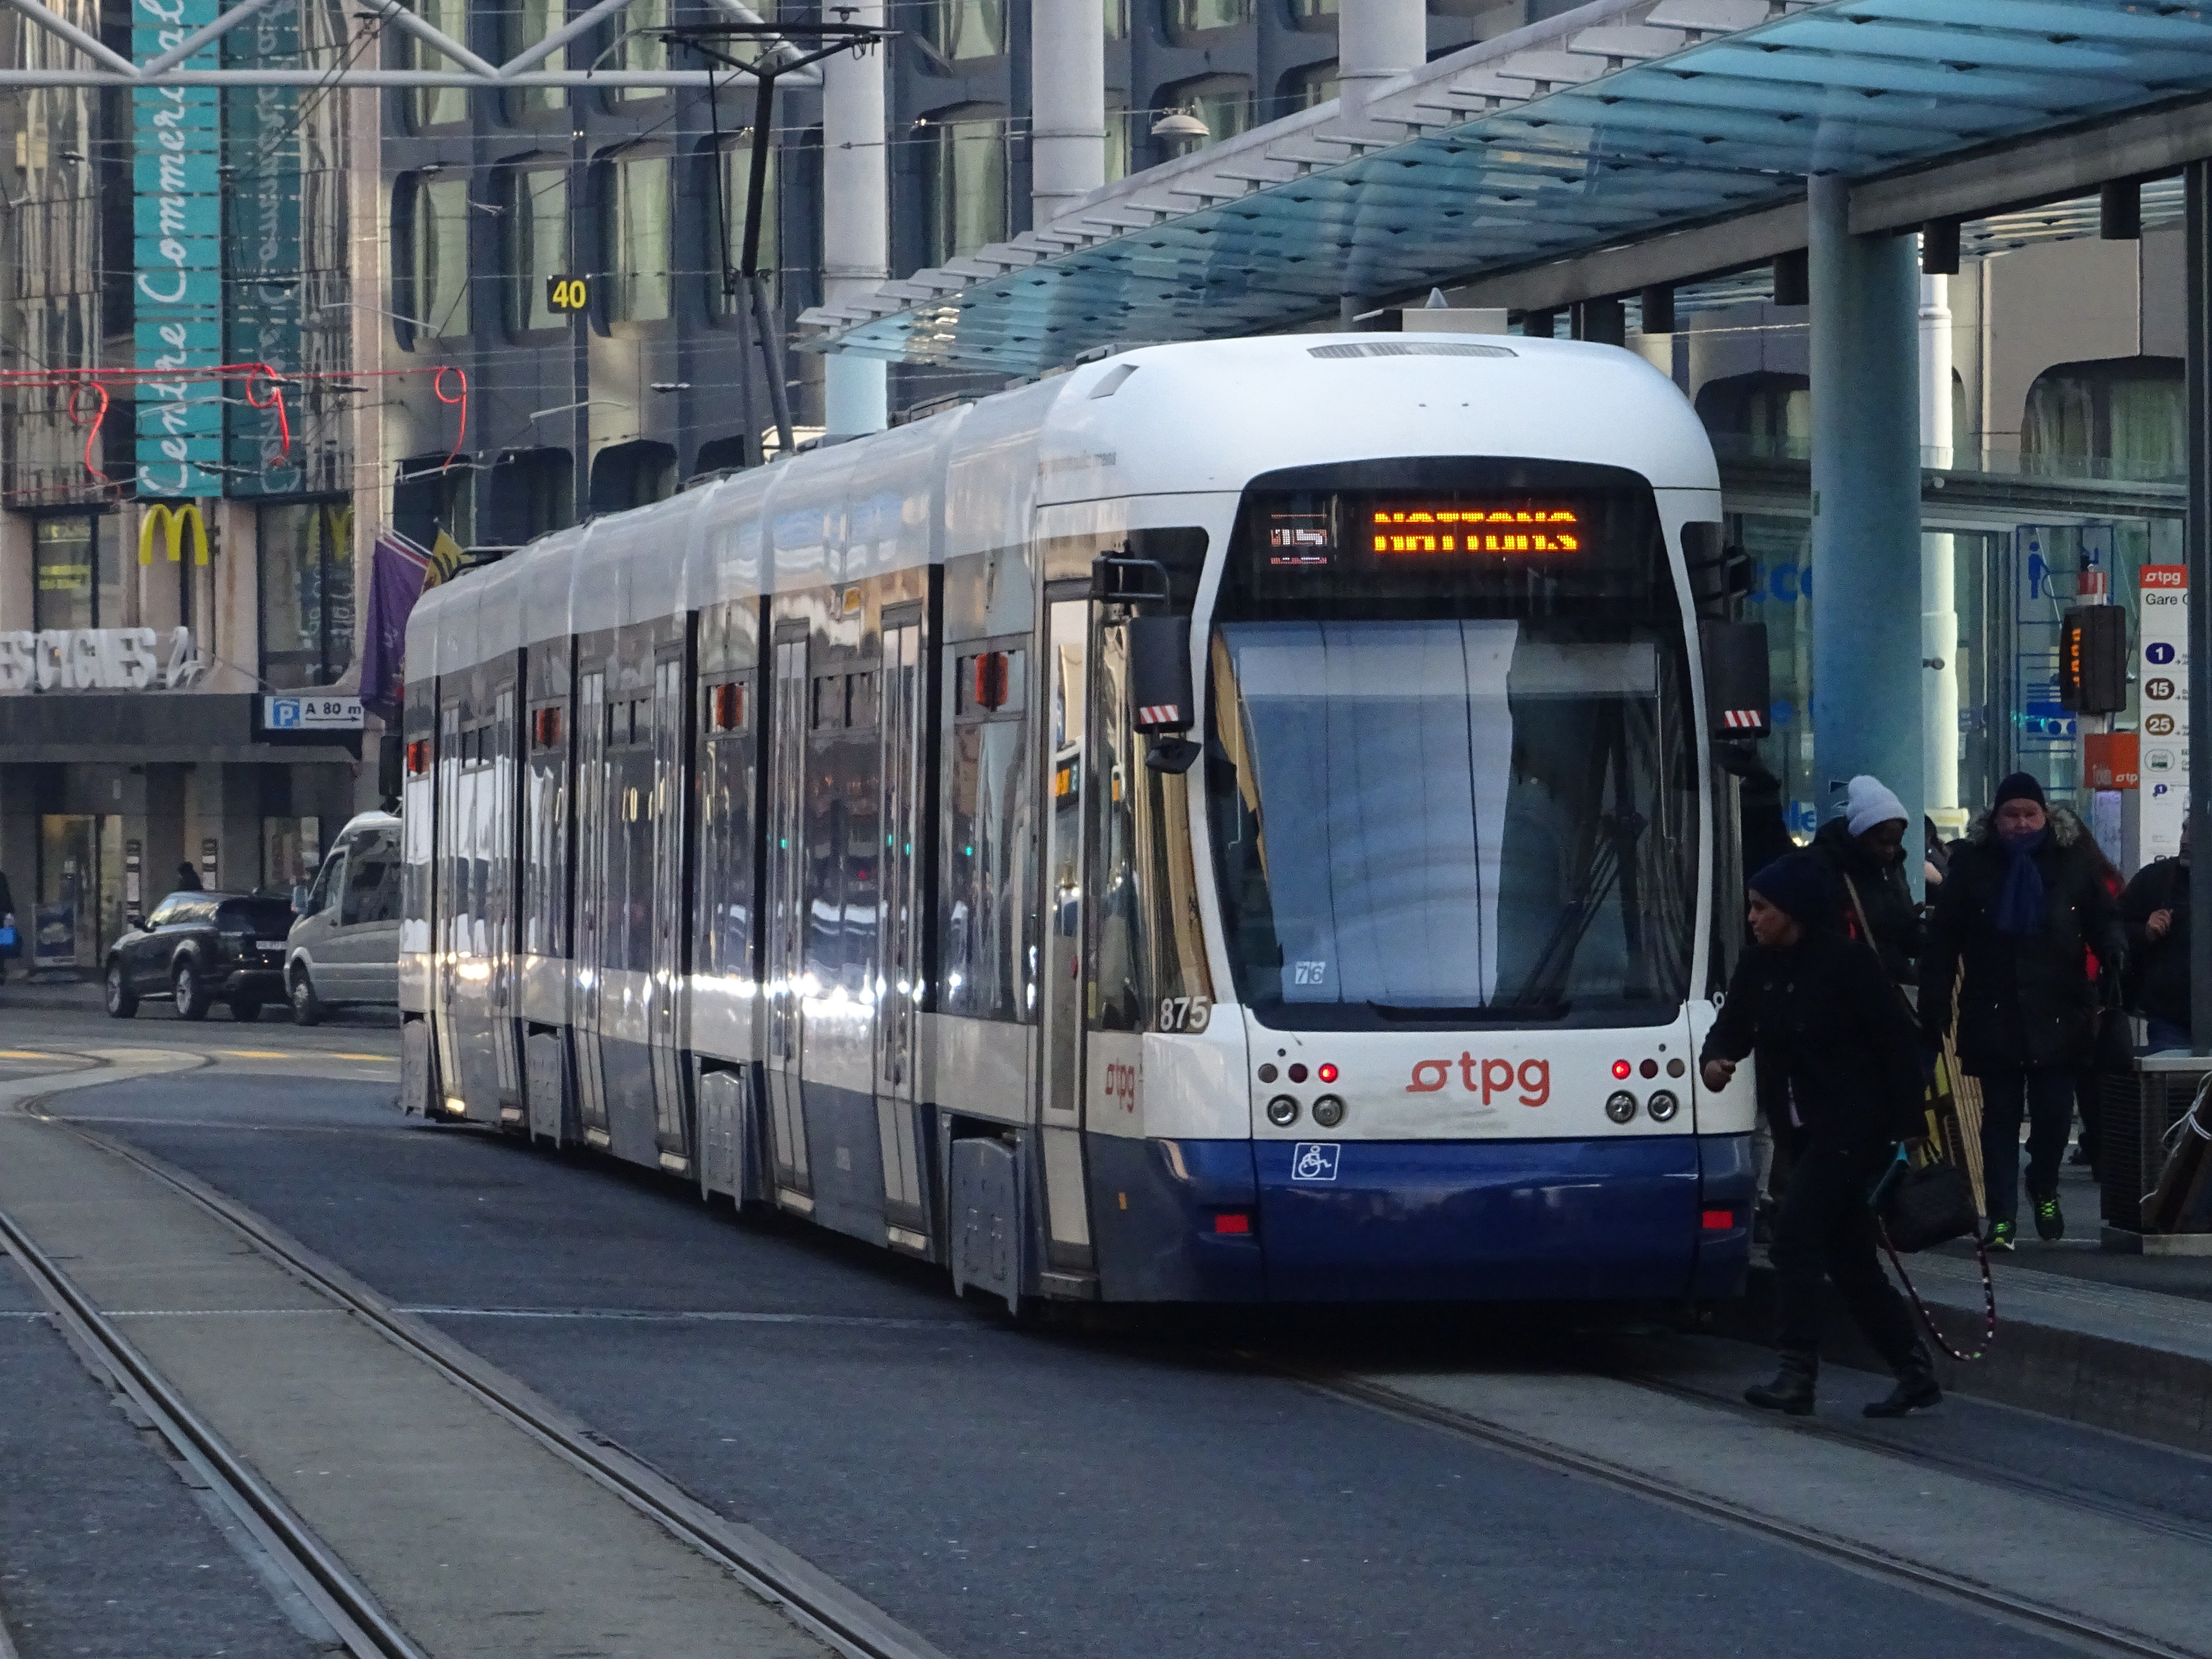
(2197, 554)
(1866, 505)
(1939, 613)
(1068, 92)
(856, 227)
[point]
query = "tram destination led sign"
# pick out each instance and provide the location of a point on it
(1305, 539)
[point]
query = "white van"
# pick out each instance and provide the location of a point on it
(345, 946)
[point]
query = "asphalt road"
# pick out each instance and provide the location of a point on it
(1004, 1492)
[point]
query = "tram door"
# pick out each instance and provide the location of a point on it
(671, 731)
(503, 904)
(786, 903)
(1060, 1127)
(898, 934)
(591, 823)
(447, 933)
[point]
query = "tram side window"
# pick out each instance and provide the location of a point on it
(725, 865)
(628, 939)
(844, 795)
(545, 887)
(988, 842)
(1149, 967)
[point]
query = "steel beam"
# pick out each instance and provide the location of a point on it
(2196, 552)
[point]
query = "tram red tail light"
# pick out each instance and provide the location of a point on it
(1326, 1073)
(1621, 1068)
(1232, 1221)
(419, 755)
(1719, 1221)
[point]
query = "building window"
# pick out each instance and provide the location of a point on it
(1772, 409)
(78, 573)
(965, 195)
(1204, 16)
(1224, 102)
(2123, 418)
(531, 493)
(305, 554)
(437, 106)
(638, 48)
(638, 240)
(966, 31)
(1303, 88)
(736, 184)
(631, 475)
(531, 21)
(1121, 142)
(1313, 11)
(434, 223)
(537, 228)
(1117, 20)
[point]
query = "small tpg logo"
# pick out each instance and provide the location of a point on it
(1314, 1160)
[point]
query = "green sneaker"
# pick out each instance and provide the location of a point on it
(2049, 1219)
(2000, 1236)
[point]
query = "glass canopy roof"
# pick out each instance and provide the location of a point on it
(1502, 166)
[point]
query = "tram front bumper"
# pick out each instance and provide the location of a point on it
(1622, 1219)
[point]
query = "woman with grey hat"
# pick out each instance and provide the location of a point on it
(1818, 1013)
(2019, 916)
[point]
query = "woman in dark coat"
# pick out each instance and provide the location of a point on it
(1820, 1012)
(1866, 849)
(2022, 911)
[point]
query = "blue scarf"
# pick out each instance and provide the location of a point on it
(2019, 909)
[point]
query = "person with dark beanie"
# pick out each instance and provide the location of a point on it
(2019, 916)
(1818, 1011)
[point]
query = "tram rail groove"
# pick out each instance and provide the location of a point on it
(340, 1598)
(809, 1597)
(2074, 1629)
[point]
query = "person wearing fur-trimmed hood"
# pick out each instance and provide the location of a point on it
(2020, 911)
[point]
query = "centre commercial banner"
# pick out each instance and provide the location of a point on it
(2162, 670)
(177, 256)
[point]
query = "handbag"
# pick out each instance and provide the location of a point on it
(1919, 1205)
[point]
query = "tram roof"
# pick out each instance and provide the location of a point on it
(1619, 122)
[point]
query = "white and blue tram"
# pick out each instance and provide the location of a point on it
(824, 835)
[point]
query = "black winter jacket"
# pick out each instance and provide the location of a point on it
(2028, 1003)
(2158, 969)
(1823, 1016)
(1891, 911)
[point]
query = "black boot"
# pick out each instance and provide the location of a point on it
(1917, 1388)
(1791, 1391)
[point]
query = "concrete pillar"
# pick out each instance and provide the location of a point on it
(856, 224)
(1939, 613)
(17, 583)
(229, 625)
(1866, 505)
(1067, 104)
(2196, 550)
(1374, 41)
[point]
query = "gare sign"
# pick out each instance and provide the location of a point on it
(98, 659)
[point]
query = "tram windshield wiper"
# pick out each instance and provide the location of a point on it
(1509, 1012)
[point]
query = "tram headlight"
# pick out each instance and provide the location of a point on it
(1282, 1111)
(1662, 1105)
(1620, 1105)
(1328, 1110)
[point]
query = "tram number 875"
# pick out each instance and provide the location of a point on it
(1185, 1013)
(567, 292)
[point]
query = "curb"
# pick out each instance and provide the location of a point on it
(2128, 1387)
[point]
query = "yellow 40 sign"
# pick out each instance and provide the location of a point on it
(568, 292)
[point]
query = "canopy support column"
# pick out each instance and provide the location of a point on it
(1866, 564)
(2198, 553)
(856, 231)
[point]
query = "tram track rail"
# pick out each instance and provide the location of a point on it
(848, 1623)
(2076, 1629)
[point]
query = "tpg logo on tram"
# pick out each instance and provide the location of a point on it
(1533, 1078)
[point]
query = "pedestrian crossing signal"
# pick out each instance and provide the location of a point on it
(2093, 659)
(568, 292)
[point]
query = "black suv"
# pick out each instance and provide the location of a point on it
(199, 948)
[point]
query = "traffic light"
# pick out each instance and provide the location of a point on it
(2093, 659)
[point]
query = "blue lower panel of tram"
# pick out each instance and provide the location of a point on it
(1659, 1217)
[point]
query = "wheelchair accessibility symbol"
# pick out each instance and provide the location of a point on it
(1314, 1160)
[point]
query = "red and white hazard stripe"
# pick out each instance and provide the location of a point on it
(1743, 720)
(1159, 713)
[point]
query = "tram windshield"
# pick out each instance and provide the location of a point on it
(1476, 810)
